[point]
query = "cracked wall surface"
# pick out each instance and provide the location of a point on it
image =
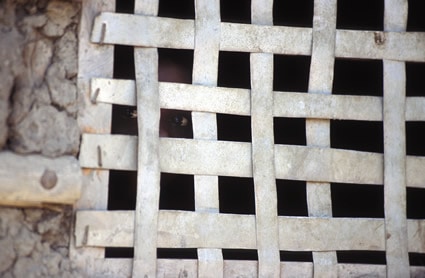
(38, 115)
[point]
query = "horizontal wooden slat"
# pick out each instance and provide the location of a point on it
(184, 229)
(237, 101)
(34, 180)
(226, 158)
(114, 28)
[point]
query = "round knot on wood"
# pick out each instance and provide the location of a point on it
(49, 179)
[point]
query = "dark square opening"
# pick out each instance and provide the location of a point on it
(415, 18)
(176, 253)
(124, 120)
(291, 198)
(358, 77)
(122, 190)
(234, 69)
(237, 11)
(175, 124)
(124, 62)
(119, 252)
(233, 128)
(416, 259)
(291, 73)
(357, 135)
(184, 9)
(289, 131)
(124, 6)
(177, 192)
(357, 200)
(361, 257)
(415, 198)
(415, 85)
(415, 138)
(240, 254)
(293, 13)
(296, 256)
(236, 195)
(360, 15)
(175, 65)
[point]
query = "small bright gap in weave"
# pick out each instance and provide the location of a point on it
(415, 199)
(240, 254)
(293, 13)
(176, 253)
(367, 136)
(415, 138)
(358, 77)
(236, 195)
(289, 131)
(236, 11)
(177, 192)
(416, 259)
(415, 85)
(122, 190)
(360, 15)
(124, 6)
(361, 257)
(119, 252)
(234, 70)
(415, 18)
(291, 198)
(357, 200)
(291, 73)
(183, 9)
(296, 256)
(233, 128)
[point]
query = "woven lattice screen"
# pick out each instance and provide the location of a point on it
(148, 228)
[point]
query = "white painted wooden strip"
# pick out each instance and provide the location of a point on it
(34, 180)
(415, 174)
(205, 72)
(184, 229)
(148, 167)
(398, 46)
(415, 109)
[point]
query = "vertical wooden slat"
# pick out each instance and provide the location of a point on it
(148, 169)
(318, 131)
(94, 60)
(395, 19)
(263, 150)
(205, 71)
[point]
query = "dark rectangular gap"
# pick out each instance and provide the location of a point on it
(124, 62)
(175, 65)
(289, 131)
(236, 11)
(415, 199)
(415, 85)
(367, 136)
(122, 190)
(183, 9)
(416, 259)
(124, 120)
(296, 256)
(415, 138)
(233, 128)
(176, 253)
(357, 200)
(234, 70)
(291, 73)
(175, 124)
(293, 13)
(415, 17)
(361, 257)
(124, 6)
(177, 192)
(358, 77)
(240, 254)
(360, 15)
(236, 195)
(119, 252)
(291, 198)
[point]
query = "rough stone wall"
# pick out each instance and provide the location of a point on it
(38, 110)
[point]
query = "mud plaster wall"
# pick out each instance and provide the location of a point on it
(38, 110)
